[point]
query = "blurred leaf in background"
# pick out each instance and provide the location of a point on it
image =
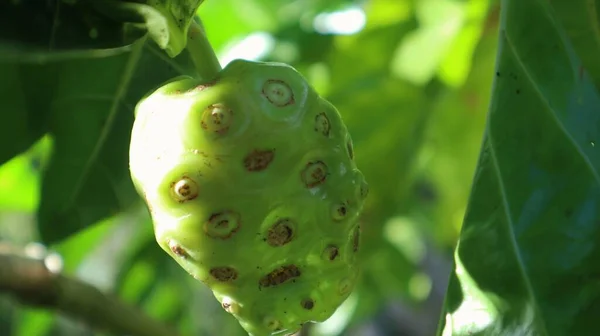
(412, 81)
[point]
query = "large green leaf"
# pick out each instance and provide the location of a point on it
(581, 21)
(24, 120)
(33, 30)
(527, 259)
(91, 117)
(78, 77)
(88, 27)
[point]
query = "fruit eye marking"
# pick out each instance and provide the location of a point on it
(350, 148)
(322, 124)
(178, 250)
(279, 276)
(258, 160)
(217, 118)
(280, 233)
(330, 253)
(184, 190)
(339, 211)
(278, 93)
(222, 225)
(272, 324)
(364, 190)
(307, 304)
(356, 239)
(230, 306)
(314, 174)
(344, 287)
(224, 274)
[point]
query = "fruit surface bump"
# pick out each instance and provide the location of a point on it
(252, 188)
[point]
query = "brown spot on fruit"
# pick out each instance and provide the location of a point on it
(217, 118)
(280, 233)
(314, 174)
(184, 189)
(356, 239)
(230, 306)
(339, 211)
(344, 287)
(271, 323)
(204, 86)
(331, 252)
(279, 276)
(364, 190)
(177, 249)
(322, 124)
(278, 92)
(222, 225)
(307, 304)
(224, 274)
(350, 148)
(258, 160)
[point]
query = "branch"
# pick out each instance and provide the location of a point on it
(35, 282)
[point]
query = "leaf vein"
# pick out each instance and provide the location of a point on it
(508, 214)
(119, 96)
(552, 110)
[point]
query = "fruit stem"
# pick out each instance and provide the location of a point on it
(205, 60)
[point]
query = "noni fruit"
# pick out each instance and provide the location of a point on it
(252, 188)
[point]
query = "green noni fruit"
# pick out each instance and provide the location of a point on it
(252, 188)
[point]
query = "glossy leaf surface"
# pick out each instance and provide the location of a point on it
(80, 89)
(527, 258)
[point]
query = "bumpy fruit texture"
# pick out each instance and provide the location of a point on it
(252, 188)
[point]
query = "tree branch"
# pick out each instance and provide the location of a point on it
(34, 282)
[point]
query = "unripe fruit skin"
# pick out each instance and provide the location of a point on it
(252, 188)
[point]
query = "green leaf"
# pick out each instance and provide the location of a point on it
(456, 65)
(443, 44)
(20, 178)
(92, 114)
(527, 258)
(31, 59)
(580, 19)
(33, 321)
(33, 30)
(23, 119)
(167, 21)
(89, 27)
